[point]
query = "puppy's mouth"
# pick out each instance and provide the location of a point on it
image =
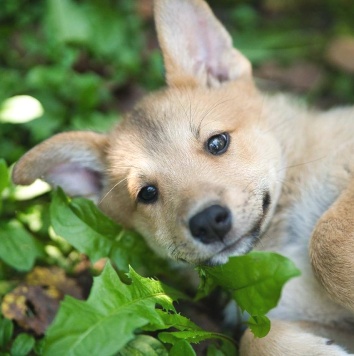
(241, 246)
(245, 243)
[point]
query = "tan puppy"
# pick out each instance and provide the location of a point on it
(210, 168)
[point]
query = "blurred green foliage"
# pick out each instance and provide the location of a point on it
(72, 56)
(79, 58)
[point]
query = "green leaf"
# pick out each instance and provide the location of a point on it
(182, 347)
(107, 321)
(259, 325)
(144, 345)
(68, 20)
(196, 336)
(6, 331)
(22, 345)
(4, 176)
(18, 248)
(86, 228)
(83, 225)
(255, 281)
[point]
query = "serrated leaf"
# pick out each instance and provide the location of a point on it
(144, 345)
(22, 345)
(107, 321)
(196, 336)
(18, 247)
(182, 347)
(176, 321)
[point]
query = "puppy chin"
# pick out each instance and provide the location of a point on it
(238, 248)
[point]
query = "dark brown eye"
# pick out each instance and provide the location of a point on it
(218, 144)
(148, 194)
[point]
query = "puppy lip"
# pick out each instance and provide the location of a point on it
(231, 249)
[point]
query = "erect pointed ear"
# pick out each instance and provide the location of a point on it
(197, 49)
(73, 160)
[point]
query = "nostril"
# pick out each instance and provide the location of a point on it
(220, 218)
(211, 224)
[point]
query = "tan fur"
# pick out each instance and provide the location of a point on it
(332, 248)
(302, 158)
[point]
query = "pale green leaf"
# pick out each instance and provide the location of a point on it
(69, 21)
(20, 109)
(37, 188)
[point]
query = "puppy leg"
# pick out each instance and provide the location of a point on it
(332, 249)
(287, 338)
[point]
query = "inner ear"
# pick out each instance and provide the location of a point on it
(76, 179)
(75, 161)
(196, 47)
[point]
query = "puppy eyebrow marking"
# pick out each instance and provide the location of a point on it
(151, 132)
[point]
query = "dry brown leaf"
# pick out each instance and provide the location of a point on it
(30, 307)
(33, 305)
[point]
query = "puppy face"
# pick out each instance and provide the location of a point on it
(194, 168)
(195, 172)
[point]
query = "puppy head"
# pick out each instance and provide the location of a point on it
(194, 168)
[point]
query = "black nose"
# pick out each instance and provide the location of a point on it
(211, 224)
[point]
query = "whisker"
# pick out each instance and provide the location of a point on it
(105, 196)
(301, 164)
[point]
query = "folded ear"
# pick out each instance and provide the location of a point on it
(74, 161)
(197, 49)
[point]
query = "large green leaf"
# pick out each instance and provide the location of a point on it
(18, 248)
(255, 281)
(85, 227)
(107, 321)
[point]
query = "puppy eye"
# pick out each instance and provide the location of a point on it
(218, 144)
(148, 194)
